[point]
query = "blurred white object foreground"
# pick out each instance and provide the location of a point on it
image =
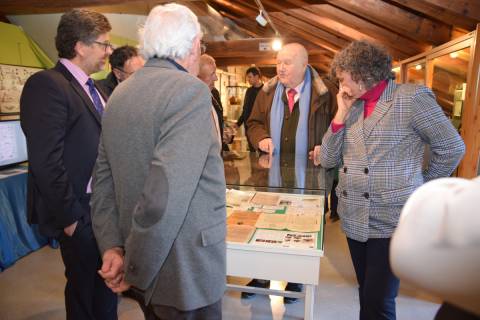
(436, 245)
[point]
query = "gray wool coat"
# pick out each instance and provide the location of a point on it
(159, 187)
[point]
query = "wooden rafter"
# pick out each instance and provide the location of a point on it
(250, 47)
(57, 6)
(396, 19)
(246, 52)
(357, 28)
(252, 28)
(310, 32)
(235, 7)
(462, 14)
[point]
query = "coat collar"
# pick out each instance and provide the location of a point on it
(160, 63)
(383, 105)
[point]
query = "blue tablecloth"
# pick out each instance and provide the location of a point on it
(17, 237)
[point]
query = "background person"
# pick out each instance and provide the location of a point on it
(208, 74)
(124, 61)
(254, 78)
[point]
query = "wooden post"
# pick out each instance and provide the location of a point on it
(471, 114)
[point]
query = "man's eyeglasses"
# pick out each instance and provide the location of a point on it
(125, 72)
(105, 45)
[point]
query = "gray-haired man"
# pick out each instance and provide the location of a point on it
(159, 187)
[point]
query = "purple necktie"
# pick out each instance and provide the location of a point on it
(97, 102)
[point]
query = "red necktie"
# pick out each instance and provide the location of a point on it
(291, 99)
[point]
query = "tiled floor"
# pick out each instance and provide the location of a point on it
(32, 289)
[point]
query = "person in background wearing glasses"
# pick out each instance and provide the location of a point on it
(124, 61)
(61, 111)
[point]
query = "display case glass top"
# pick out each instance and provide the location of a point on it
(277, 173)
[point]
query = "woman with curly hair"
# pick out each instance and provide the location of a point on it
(377, 139)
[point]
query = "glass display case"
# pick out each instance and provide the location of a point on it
(275, 223)
(285, 173)
(449, 82)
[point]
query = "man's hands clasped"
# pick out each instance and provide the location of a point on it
(113, 270)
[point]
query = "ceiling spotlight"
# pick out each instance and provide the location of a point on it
(454, 55)
(261, 20)
(277, 44)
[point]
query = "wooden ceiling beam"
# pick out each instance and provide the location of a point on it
(13, 7)
(236, 7)
(290, 26)
(397, 20)
(321, 30)
(250, 48)
(357, 28)
(319, 62)
(350, 34)
(255, 30)
(246, 30)
(243, 12)
(462, 14)
(465, 8)
(326, 32)
(246, 52)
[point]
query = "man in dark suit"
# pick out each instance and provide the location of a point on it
(124, 61)
(61, 116)
(207, 72)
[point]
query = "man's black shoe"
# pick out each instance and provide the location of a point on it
(257, 284)
(297, 287)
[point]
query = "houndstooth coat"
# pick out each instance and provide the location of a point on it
(380, 157)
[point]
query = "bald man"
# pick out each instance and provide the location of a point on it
(294, 109)
(207, 72)
(291, 114)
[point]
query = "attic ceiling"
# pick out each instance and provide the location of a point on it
(404, 27)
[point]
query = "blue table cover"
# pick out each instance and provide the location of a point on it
(17, 237)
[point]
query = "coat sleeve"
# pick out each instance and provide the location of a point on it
(44, 120)
(446, 145)
(105, 214)
(182, 149)
(332, 148)
(257, 122)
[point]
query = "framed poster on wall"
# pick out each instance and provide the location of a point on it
(12, 79)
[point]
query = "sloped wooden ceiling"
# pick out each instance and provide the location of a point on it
(404, 27)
